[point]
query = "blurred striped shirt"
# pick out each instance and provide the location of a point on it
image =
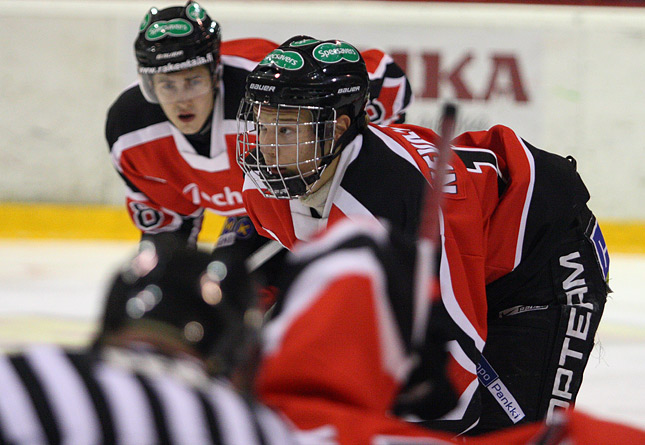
(51, 395)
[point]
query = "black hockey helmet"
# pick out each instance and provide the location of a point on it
(175, 39)
(309, 72)
(209, 304)
(318, 80)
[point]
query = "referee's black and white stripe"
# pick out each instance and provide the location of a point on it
(49, 395)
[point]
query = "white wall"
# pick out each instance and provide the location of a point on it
(568, 79)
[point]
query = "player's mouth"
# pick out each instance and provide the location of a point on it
(273, 170)
(186, 117)
(278, 171)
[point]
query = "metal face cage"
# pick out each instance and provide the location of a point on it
(284, 149)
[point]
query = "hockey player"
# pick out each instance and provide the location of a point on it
(355, 323)
(172, 135)
(173, 320)
(523, 263)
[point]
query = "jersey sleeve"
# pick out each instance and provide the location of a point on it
(326, 366)
(152, 219)
(508, 223)
(541, 196)
(390, 90)
(343, 342)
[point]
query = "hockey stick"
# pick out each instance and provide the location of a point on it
(426, 276)
(422, 394)
(428, 238)
(429, 227)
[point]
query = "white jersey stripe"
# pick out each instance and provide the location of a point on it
(379, 72)
(527, 204)
(448, 295)
(131, 414)
(234, 416)
(352, 207)
(394, 146)
(18, 419)
(238, 62)
(273, 427)
(183, 411)
(460, 357)
(305, 291)
(466, 397)
(138, 137)
(347, 156)
(307, 288)
(71, 402)
(219, 162)
(399, 100)
(339, 233)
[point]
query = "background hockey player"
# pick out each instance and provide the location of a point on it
(523, 264)
(174, 318)
(172, 135)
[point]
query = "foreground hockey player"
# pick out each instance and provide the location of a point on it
(172, 135)
(355, 323)
(172, 321)
(523, 263)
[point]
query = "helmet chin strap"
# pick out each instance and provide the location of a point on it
(206, 128)
(299, 186)
(355, 127)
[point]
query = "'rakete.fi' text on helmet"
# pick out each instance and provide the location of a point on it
(287, 120)
(175, 39)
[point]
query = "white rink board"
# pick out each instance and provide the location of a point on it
(568, 79)
(53, 291)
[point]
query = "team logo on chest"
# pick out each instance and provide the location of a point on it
(226, 198)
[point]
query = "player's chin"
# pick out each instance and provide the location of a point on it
(188, 126)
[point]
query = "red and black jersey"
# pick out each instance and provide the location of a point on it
(172, 178)
(350, 331)
(344, 338)
(505, 202)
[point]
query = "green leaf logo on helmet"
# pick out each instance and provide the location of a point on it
(335, 52)
(288, 60)
(172, 28)
(144, 22)
(304, 42)
(195, 12)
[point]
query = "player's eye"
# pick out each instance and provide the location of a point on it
(168, 86)
(196, 82)
(286, 131)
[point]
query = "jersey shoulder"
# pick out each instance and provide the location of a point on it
(375, 58)
(250, 49)
(415, 144)
(387, 181)
(239, 57)
(390, 89)
(131, 112)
